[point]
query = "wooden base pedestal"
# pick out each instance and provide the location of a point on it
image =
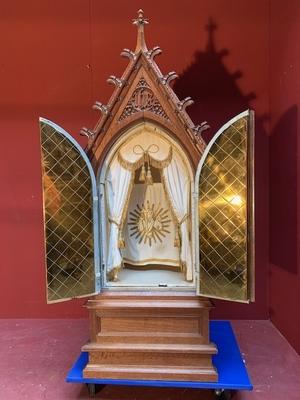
(150, 336)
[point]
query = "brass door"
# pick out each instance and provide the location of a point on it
(224, 211)
(70, 216)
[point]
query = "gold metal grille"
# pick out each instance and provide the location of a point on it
(223, 215)
(68, 200)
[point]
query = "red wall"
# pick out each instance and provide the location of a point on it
(285, 169)
(55, 58)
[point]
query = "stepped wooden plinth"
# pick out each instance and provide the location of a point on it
(150, 336)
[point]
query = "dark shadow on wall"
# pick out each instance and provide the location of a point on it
(213, 88)
(283, 209)
(218, 98)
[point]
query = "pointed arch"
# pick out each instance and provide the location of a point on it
(186, 223)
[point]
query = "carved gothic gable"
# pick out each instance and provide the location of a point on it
(143, 93)
(143, 99)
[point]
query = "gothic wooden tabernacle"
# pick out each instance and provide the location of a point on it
(151, 222)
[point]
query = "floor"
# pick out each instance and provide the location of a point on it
(36, 355)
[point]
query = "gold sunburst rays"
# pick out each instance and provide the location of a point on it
(149, 223)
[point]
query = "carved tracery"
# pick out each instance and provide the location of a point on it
(143, 99)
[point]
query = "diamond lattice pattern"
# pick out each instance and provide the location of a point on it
(68, 217)
(223, 216)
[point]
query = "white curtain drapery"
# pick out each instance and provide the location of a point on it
(177, 185)
(118, 184)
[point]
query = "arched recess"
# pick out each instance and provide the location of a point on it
(153, 130)
(70, 216)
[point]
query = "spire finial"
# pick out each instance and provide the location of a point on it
(140, 21)
(211, 27)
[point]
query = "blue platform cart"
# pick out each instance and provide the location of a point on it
(229, 363)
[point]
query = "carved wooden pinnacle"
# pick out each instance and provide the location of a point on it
(140, 21)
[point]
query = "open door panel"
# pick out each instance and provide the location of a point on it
(70, 216)
(225, 204)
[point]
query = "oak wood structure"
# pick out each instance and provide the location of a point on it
(158, 332)
(150, 336)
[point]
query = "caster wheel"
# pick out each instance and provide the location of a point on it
(222, 394)
(94, 388)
